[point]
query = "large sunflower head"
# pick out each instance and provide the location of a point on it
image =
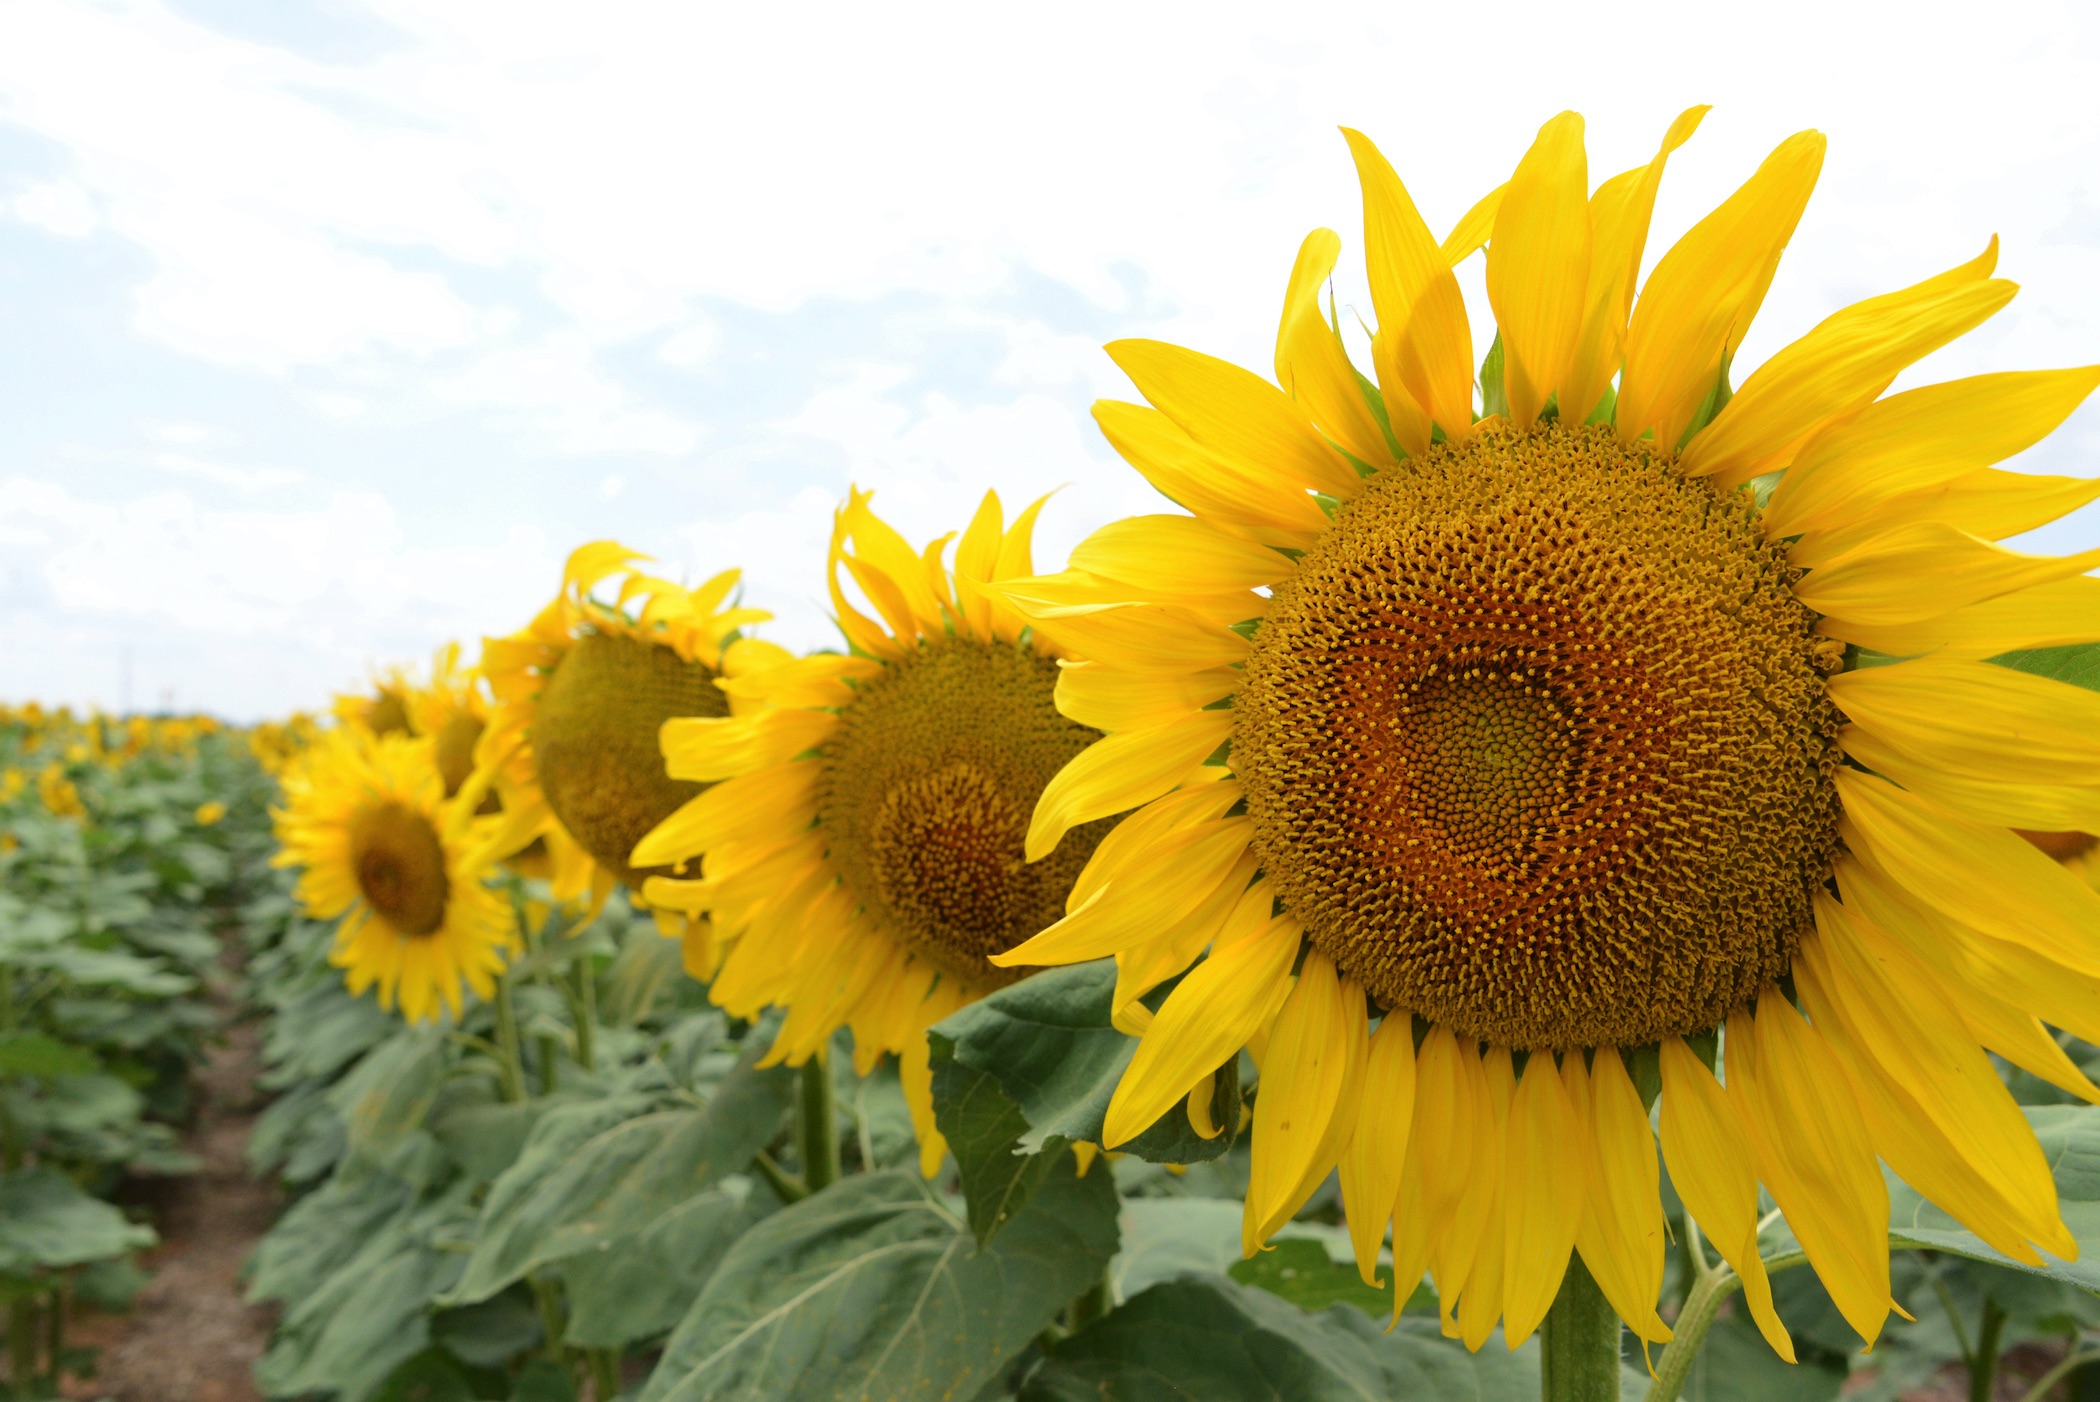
(1611, 727)
(401, 865)
(860, 856)
(580, 696)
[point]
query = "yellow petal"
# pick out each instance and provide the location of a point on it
(1450, 1105)
(1154, 955)
(1978, 875)
(1203, 1024)
(1839, 367)
(2002, 970)
(2046, 615)
(1619, 216)
(1938, 1112)
(782, 798)
(1814, 1155)
(1988, 504)
(1182, 872)
(1110, 700)
(1711, 1166)
(1311, 365)
(1179, 555)
(1470, 234)
(877, 544)
(1544, 1194)
(1217, 488)
(915, 1070)
(1121, 771)
(1919, 439)
(1698, 303)
(1914, 573)
(704, 749)
(1977, 718)
(819, 680)
(2019, 803)
(1130, 847)
(1538, 265)
(1054, 599)
(1377, 1152)
(1143, 637)
(1423, 347)
(1234, 412)
(1480, 1298)
(976, 563)
(1622, 1229)
(1302, 1080)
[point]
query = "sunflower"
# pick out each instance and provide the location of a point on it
(388, 710)
(1623, 732)
(861, 851)
(579, 697)
(452, 711)
(382, 848)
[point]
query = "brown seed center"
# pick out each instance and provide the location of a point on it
(400, 865)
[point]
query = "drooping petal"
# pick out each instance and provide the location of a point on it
(1377, 1152)
(1303, 1076)
(1814, 1155)
(1705, 1141)
(1480, 1300)
(1121, 771)
(1182, 872)
(1450, 1105)
(1545, 1189)
(1622, 1231)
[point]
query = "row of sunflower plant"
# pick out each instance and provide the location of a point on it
(121, 847)
(1555, 874)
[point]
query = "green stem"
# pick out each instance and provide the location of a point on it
(509, 1062)
(1983, 1368)
(1098, 1300)
(21, 1344)
(547, 1295)
(2050, 1379)
(819, 1125)
(586, 1014)
(605, 1372)
(1580, 1339)
(1709, 1292)
(550, 1064)
(789, 1187)
(55, 1327)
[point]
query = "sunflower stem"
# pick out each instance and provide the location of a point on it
(1581, 1342)
(508, 1061)
(2048, 1381)
(1709, 1292)
(605, 1372)
(586, 1012)
(818, 1129)
(1983, 1368)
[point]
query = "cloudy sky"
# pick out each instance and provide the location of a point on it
(328, 327)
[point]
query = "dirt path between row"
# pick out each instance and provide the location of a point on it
(189, 1336)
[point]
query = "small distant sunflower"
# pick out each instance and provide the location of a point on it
(453, 711)
(861, 849)
(386, 711)
(579, 698)
(402, 866)
(1621, 718)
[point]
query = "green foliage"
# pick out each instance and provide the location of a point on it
(1302, 1272)
(2078, 663)
(873, 1290)
(2070, 1139)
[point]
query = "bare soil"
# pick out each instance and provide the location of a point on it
(189, 1336)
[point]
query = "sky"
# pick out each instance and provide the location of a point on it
(329, 327)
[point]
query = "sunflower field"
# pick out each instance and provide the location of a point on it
(1555, 869)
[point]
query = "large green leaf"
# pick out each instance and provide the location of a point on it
(2078, 664)
(870, 1290)
(384, 1099)
(639, 1286)
(1215, 1339)
(572, 1190)
(34, 1054)
(2070, 1137)
(46, 1220)
(321, 1233)
(1057, 1056)
(984, 1131)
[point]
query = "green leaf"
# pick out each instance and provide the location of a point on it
(1221, 1341)
(984, 1130)
(2070, 1139)
(869, 1290)
(34, 1054)
(47, 1221)
(572, 1190)
(2078, 664)
(1302, 1272)
(640, 1286)
(492, 1333)
(384, 1099)
(321, 1233)
(1057, 1056)
(1494, 396)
